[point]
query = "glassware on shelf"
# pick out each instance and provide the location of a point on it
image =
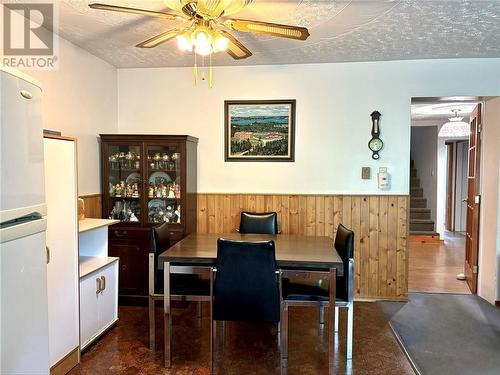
(125, 211)
(160, 211)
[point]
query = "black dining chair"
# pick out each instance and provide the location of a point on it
(246, 284)
(260, 223)
(182, 287)
(298, 292)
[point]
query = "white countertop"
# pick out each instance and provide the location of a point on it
(91, 264)
(89, 224)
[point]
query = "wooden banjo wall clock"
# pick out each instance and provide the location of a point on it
(375, 144)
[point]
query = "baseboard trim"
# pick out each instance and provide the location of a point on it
(67, 363)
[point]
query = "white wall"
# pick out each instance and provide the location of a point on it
(80, 100)
(334, 102)
(424, 153)
(489, 236)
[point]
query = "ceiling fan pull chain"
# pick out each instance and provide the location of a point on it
(195, 71)
(211, 74)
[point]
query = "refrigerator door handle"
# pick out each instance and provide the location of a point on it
(48, 254)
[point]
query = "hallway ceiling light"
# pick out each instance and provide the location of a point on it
(455, 127)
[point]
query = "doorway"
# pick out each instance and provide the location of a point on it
(439, 182)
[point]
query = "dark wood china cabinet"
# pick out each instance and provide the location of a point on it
(146, 180)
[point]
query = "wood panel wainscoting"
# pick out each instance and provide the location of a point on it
(380, 224)
(93, 205)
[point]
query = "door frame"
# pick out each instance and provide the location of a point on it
(450, 188)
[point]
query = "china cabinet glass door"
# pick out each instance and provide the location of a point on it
(164, 183)
(124, 182)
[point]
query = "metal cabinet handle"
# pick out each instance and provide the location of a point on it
(99, 285)
(103, 279)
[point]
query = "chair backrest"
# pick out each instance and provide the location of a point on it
(344, 244)
(261, 223)
(246, 285)
(161, 238)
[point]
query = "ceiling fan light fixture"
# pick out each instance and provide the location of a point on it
(184, 42)
(220, 43)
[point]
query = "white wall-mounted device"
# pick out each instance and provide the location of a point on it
(383, 178)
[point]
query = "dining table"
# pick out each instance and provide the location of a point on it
(296, 255)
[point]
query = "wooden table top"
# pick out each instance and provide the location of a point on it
(292, 251)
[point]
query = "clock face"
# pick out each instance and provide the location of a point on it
(376, 144)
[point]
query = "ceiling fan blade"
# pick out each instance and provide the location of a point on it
(275, 29)
(212, 8)
(237, 50)
(161, 38)
(143, 12)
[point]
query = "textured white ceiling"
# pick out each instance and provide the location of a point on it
(433, 114)
(368, 30)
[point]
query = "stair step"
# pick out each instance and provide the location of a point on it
(413, 172)
(421, 225)
(414, 182)
(417, 192)
(418, 202)
(420, 214)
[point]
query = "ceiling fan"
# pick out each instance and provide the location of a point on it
(206, 24)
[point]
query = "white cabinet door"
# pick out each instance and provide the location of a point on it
(89, 325)
(62, 240)
(108, 298)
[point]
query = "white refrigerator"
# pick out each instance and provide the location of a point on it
(24, 341)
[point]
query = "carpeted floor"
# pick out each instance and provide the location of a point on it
(448, 334)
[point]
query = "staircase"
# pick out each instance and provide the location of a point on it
(420, 215)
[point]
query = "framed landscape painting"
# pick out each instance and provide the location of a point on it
(259, 130)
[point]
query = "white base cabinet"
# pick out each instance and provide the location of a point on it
(98, 302)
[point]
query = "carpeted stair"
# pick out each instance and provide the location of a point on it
(420, 215)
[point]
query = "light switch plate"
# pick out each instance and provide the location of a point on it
(365, 173)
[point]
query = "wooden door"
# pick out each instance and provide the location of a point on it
(473, 200)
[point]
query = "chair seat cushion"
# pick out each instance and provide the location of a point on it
(184, 284)
(309, 290)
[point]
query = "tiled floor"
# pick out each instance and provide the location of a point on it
(433, 267)
(248, 348)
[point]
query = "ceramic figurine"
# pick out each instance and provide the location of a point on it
(163, 191)
(178, 214)
(118, 190)
(177, 189)
(151, 192)
(135, 190)
(133, 217)
(171, 192)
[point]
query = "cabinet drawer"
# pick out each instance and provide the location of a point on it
(125, 233)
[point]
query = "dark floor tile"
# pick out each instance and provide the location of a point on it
(247, 349)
